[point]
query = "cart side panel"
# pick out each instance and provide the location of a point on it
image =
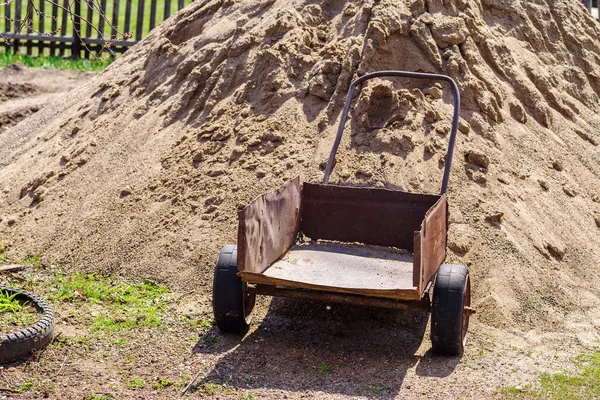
(268, 227)
(364, 215)
(432, 240)
(417, 264)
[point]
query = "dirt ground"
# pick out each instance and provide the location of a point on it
(294, 350)
(24, 91)
(139, 174)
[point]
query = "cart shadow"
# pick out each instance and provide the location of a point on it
(433, 365)
(304, 346)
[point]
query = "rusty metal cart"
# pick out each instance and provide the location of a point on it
(368, 246)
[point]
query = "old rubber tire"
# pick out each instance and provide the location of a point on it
(449, 312)
(22, 343)
(232, 303)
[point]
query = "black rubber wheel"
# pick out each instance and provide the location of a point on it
(22, 343)
(449, 309)
(232, 303)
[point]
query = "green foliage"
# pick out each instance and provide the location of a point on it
(136, 383)
(161, 384)
(582, 386)
(3, 256)
(34, 386)
(32, 259)
(376, 389)
(121, 306)
(99, 396)
(28, 386)
(209, 339)
(7, 58)
(13, 312)
(325, 368)
(9, 303)
(209, 388)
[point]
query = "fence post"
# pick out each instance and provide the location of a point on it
(18, 23)
(76, 49)
(41, 27)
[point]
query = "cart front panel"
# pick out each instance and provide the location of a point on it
(363, 215)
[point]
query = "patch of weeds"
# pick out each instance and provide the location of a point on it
(3, 256)
(209, 388)
(119, 342)
(197, 323)
(165, 383)
(99, 396)
(514, 391)
(123, 306)
(248, 396)
(585, 385)
(32, 259)
(66, 340)
(135, 383)
(129, 358)
(325, 368)
(209, 339)
(32, 386)
(14, 313)
(110, 325)
(28, 386)
(375, 389)
(9, 303)
(363, 389)
(161, 384)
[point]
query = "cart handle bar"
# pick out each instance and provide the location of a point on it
(404, 74)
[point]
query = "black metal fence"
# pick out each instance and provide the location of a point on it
(592, 6)
(79, 28)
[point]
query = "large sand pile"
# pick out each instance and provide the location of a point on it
(141, 171)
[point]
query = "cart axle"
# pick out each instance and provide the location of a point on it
(341, 298)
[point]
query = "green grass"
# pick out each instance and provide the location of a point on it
(28, 386)
(161, 384)
(114, 305)
(581, 386)
(13, 313)
(54, 62)
(209, 387)
(9, 303)
(97, 396)
(3, 256)
(325, 368)
(136, 383)
(209, 339)
(32, 259)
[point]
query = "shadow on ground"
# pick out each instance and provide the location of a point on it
(349, 350)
